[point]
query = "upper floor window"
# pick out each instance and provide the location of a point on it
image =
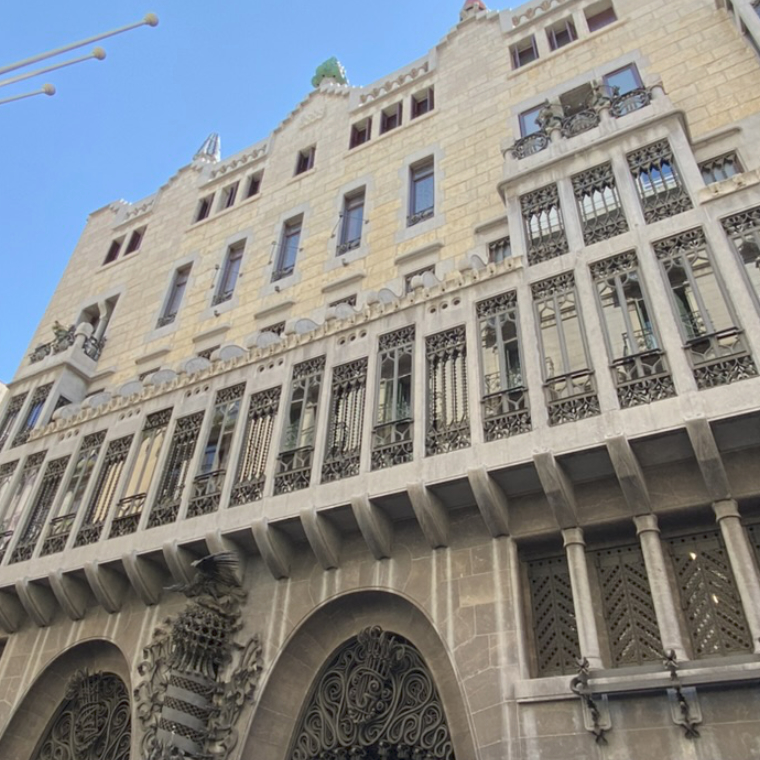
(135, 241)
(499, 250)
(33, 414)
(11, 415)
(254, 184)
(229, 194)
(113, 250)
(287, 253)
(179, 284)
(744, 231)
(599, 204)
(544, 226)
(421, 192)
(524, 52)
(390, 118)
(600, 15)
(529, 121)
(720, 168)
(305, 160)
(230, 274)
(422, 102)
(361, 132)
(204, 207)
(352, 220)
(623, 80)
(562, 33)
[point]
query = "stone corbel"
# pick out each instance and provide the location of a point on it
(275, 547)
(375, 526)
(629, 475)
(145, 577)
(11, 612)
(38, 601)
(557, 488)
(491, 500)
(708, 458)
(71, 593)
(323, 537)
(179, 561)
(431, 515)
(108, 586)
(216, 542)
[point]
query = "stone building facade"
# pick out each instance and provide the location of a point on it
(426, 427)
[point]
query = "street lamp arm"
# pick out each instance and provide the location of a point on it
(98, 54)
(47, 89)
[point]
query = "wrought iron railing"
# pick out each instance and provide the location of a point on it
(642, 377)
(579, 122)
(720, 358)
(392, 443)
(128, 513)
(60, 343)
(571, 397)
(628, 102)
(293, 469)
(419, 216)
(93, 347)
(505, 413)
(349, 245)
(207, 493)
(530, 145)
(58, 534)
(282, 272)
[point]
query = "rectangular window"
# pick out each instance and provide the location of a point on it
(421, 192)
(228, 196)
(135, 241)
(204, 207)
(12, 413)
(39, 397)
(177, 292)
(296, 455)
(623, 80)
(305, 159)
(744, 231)
(499, 250)
(392, 440)
(505, 398)
(254, 184)
(287, 253)
(599, 16)
(230, 274)
(562, 33)
(524, 52)
(661, 190)
(344, 434)
(390, 118)
(529, 121)
(720, 168)
(6, 475)
(351, 223)
(113, 250)
(422, 102)
(568, 381)
(361, 132)
(599, 204)
(544, 226)
(20, 500)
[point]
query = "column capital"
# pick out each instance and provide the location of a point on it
(573, 536)
(725, 508)
(646, 524)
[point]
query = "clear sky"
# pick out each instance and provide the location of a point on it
(119, 128)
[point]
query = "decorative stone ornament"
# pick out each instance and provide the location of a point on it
(330, 69)
(470, 8)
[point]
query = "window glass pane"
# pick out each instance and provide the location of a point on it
(423, 191)
(625, 79)
(529, 121)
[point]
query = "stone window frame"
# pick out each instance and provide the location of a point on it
(600, 9)
(391, 117)
(228, 274)
(203, 208)
(171, 305)
(555, 32)
(361, 133)
(712, 168)
(517, 50)
(228, 196)
(136, 238)
(438, 219)
(425, 96)
(305, 160)
(253, 184)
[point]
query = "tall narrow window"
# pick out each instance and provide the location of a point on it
(6, 476)
(177, 292)
(207, 485)
(390, 118)
(204, 208)
(287, 252)
(51, 480)
(638, 364)
(257, 440)
(296, 455)
(99, 317)
(37, 404)
(254, 184)
(392, 435)
(344, 434)
(524, 52)
(712, 338)
(744, 231)
(499, 250)
(448, 413)
(361, 132)
(599, 204)
(61, 524)
(228, 196)
(562, 33)
(422, 102)
(135, 241)
(505, 397)
(132, 503)
(104, 492)
(305, 159)
(12, 413)
(421, 192)
(568, 381)
(544, 226)
(19, 501)
(530, 120)
(174, 477)
(720, 168)
(352, 220)
(113, 250)
(230, 274)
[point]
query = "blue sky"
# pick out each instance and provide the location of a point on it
(119, 128)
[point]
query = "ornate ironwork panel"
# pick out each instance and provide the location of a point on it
(544, 226)
(11, 415)
(554, 628)
(631, 101)
(529, 145)
(344, 436)
(15, 508)
(579, 122)
(744, 231)
(660, 187)
(93, 347)
(252, 465)
(448, 415)
(709, 597)
(599, 204)
(128, 513)
(51, 480)
(720, 168)
(105, 491)
(376, 699)
(7, 469)
(634, 635)
(94, 723)
(64, 339)
(39, 397)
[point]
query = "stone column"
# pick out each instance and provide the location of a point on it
(588, 637)
(663, 599)
(742, 563)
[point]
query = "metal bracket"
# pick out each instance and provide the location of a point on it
(596, 712)
(684, 707)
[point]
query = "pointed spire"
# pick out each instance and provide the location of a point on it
(470, 8)
(211, 150)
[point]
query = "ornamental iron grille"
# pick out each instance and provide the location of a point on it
(64, 338)
(744, 231)
(344, 436)
(51, 480)
(375, 700)
(634, 635)
(506, 410)
(207, 486)
(297, 447)
(105, 491)
(713, 342)
(94, 723)
(720, 168)
(638, 364)
(448, 413)
(393, 432)
(544, 226)
(20, 498)
(39, 397)
(624, 103)
(130, 506)
(599, 204)
(660, 187)
(709, 596)
(166, 507)
(530, 144)
(11, 415)
(59, 528)
(569, 384)
(252, 466)
(554, 627)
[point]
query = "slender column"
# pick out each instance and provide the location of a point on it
(742, 563)
(588, 637)
(663, 600)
